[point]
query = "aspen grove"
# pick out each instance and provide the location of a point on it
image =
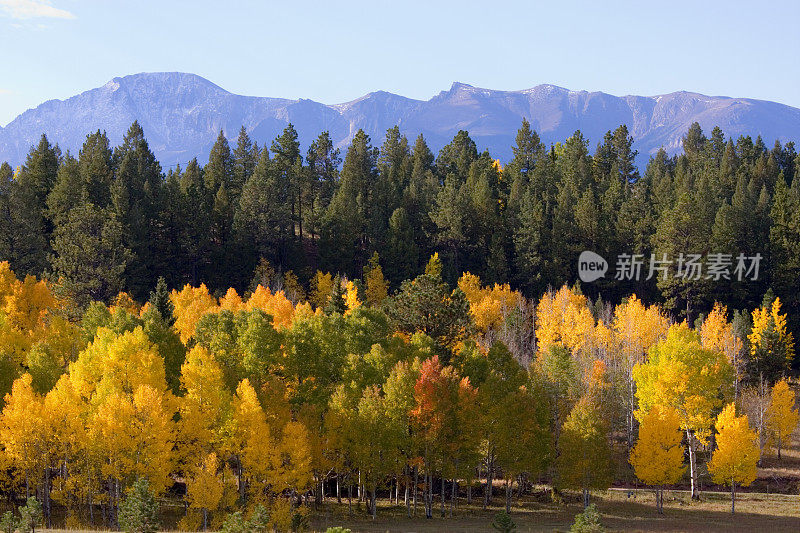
(430, 396)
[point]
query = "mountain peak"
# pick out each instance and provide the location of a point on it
(457, 85)
(182, 113)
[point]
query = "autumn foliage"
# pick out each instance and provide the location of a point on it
(256, 402)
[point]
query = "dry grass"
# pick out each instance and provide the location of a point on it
(771, 512)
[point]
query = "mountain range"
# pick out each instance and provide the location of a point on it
(183, 113)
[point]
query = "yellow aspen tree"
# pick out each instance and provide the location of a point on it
(117, 363)
(488, 305)
(782, 417)
(737, 454)
(64, 412)
(135, 433)
(717, 333)
(202, 407)
(635, 328)
(351, 300)
(470, 285)
(124, 301)
(7, 281)
(204, 487)
(680, 374)
(377, 288)
(293, 465)
(657, 458)
(321, 287)
(252, 442)
(277, 305)
(190, 304)
(23, 431)
(231, 301)
(28, 303)
(563, 317)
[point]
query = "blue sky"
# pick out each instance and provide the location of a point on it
(336, 51)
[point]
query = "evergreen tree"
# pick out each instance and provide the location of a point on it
(161, 301)
(34, 180)
(346, 241)
(89, 256)
(323, 165)
(196, 203)
(7, 230)
(68, 192)
(263, 219)
(138, 513)
(402, 254)
(136, 204)
(245, 157)
(96, 168)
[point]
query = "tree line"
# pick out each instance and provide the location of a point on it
(110, 219)
(431, 394)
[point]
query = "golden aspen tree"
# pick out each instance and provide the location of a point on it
(190, 304)
(717, 333)
(135, 436)
(293, 465)
(64, 412)
(351, 300)
(377, 288)
(231, 301)
(23, 433)
(27, 304)
(7, 281)
(680, 374)
(782, 417)
(117, 363)
(657, 458)
(488, 305)
(321, 287)
(204, 487)
(277, 305)
(124, 301)
(203, 405)
(635, 328)
(735, 459)
(563, 317)
(252, 442)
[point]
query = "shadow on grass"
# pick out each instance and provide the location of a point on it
(712, 513)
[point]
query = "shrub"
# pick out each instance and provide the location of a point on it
(588, 521)
(259, 520)
(30, 516)
(8, 524)
(235, 523)
(503, 522)
(300, 520)
(139, 512)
